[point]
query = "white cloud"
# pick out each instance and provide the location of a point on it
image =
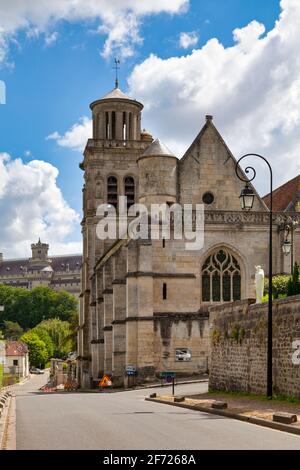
(32, 205)
(252, 88)
(187, 40)
(118, 20)
(51, 38)
(76, 137)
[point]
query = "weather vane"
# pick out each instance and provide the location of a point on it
(116, 67)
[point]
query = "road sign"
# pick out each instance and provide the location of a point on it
(130, 370)
(106, 381)
(168, 374)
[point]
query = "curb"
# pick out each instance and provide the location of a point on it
(145, 387)
(4, 413)
(227, 414)
(169, 384)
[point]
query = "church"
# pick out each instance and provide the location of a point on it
(144, 304)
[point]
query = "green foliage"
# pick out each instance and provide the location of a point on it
(9, 379)
(284, 285)
(280, 286)
(38, 354)
(216, 336)
(16, 303)
(29, 308)
(61, 336)
(12, 330)
(293, 287)
(237, 334)
(45, 337)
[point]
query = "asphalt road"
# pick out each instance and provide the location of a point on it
(123, 420)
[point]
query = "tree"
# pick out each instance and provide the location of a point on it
(38, 354)
(45, 337)
(12, 330)
(61, 335)
(29, 308)
(293, 287)
(16, 303)
(66, 306)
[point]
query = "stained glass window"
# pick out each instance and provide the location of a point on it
(221, 277)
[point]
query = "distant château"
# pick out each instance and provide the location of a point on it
(58, 272)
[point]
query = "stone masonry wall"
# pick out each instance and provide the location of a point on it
(238, 338)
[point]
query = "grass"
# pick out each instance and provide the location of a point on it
(252, 396)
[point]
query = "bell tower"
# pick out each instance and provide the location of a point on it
(110, 171)
(116, 117)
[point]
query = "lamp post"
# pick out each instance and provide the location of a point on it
(247, 199)
(288, 244)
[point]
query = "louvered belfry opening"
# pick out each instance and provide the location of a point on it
(129, 190)
(112, 191)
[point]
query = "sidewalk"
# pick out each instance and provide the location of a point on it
(250, 408)
(249, 405)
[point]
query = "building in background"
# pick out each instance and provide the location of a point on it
(286, 197)
(16, 359)
(57, 272)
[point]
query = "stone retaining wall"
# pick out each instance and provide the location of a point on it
(238, 337)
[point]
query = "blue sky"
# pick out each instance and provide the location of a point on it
(49, 87)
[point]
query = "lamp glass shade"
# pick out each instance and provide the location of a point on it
(286, 247)
(247, 198)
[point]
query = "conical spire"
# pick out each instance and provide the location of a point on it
(158, 148)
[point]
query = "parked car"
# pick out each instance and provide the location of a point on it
(35, 370)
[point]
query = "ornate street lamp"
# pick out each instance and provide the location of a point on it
(286, 247)
(286, 244)
(247, 200)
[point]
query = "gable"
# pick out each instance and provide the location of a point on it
(209, 166)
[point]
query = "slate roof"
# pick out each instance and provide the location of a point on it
(285, 197)
(158, 148)
(15, 267)
(15, 348)
(116, 93)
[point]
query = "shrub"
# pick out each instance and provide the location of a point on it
(293, 287)
(280, 285)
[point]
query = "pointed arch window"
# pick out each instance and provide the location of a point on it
(221, 278)
(129, 190)
(112, 191)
